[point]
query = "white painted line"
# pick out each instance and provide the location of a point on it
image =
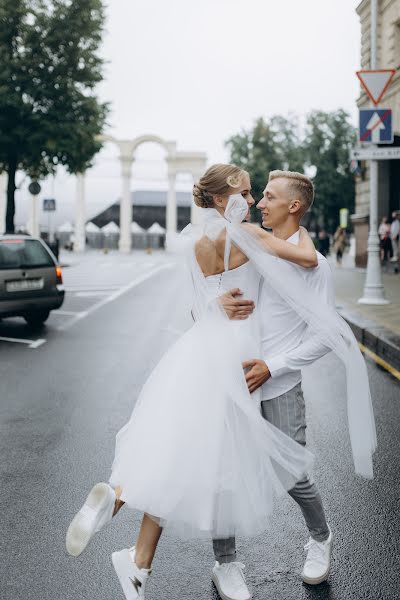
(90, 294)
(37, 343)
(68, 313)
(31, 343)
(92, 290)
(114, 296)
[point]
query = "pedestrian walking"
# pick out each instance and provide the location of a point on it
(339, 244)
(385, 240)
(395, 236)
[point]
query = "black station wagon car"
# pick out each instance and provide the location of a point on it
(31, 282)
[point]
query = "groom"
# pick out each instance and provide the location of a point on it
(287, 346)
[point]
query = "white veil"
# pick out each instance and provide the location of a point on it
(323, 321)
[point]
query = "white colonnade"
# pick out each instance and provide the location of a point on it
(177, 162)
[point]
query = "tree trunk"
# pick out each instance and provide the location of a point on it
(12, 169)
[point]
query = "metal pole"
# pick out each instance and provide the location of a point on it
(80, 216)
(374, 292)
(34, 224)
(3, 201)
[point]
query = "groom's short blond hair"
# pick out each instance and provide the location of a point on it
(299, 186)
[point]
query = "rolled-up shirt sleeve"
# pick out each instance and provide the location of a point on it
(312, 347)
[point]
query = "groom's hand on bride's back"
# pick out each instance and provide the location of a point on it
(235, 307)
(256, 373)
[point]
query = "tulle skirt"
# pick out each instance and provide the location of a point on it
(196, 454)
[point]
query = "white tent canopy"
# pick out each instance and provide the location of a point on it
(92, 228)
(135, 228)
(66, 227)
(156, 228)
(111, 227)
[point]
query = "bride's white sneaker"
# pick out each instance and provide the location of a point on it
(91, 518)
(132, 579)
(230, 581)
(318, 562)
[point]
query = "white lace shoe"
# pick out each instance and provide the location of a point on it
(230, 581)
(91, 518)
(318, 562)
(132, 579)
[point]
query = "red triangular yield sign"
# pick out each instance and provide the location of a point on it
(376, 82)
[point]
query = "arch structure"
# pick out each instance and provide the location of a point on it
(177, 162)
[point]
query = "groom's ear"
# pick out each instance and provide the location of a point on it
(295, 206)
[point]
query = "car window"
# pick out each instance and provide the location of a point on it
(23, 254)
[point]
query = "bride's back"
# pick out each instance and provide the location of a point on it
(210, 255)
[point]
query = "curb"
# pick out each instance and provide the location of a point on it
(376, 338)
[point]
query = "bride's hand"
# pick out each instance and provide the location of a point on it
(304, 234)
(306, 244)
(236, 308)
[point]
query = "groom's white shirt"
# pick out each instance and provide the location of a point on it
(287, 345)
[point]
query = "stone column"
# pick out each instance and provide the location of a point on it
(171, 204)
(34, 228)
(80, 214)
(125, 211)
(196, 211)
(3, 201)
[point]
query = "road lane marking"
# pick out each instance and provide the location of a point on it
(67, 313)
(114, 296)
(90, 294)
(379, 361)
(37, 344)
(30, 343)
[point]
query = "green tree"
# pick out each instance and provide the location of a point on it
(328, 140)
(279, 144)
(255, 151)
(49, 113)
(268, 145)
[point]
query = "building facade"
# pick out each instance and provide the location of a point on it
(388, 57)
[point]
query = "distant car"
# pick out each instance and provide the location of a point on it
(31, 282)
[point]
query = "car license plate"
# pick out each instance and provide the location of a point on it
(24, 285)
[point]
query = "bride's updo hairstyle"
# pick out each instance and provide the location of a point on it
(218, 180)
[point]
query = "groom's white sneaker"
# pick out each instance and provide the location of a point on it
(91, 518)
(230, 581)
(132, 579)
(318, 562)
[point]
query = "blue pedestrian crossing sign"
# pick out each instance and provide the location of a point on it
(376, 126)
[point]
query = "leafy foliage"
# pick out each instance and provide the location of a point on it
(328, 140)
(49, 113)
(279, 143)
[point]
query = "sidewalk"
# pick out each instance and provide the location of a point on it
(376, 327)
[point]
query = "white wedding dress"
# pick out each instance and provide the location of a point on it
(196, 453)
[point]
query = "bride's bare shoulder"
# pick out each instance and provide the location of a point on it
(206, 254)
(204, 246)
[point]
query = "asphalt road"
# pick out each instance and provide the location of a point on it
(62, 402)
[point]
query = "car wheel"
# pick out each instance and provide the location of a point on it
(37, 318)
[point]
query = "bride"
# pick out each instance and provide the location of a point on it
(196, 457)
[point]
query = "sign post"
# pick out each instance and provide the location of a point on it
(49, 206)
(376, 83)
(34, 189)
(376, 126)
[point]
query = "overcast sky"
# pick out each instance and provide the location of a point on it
(197, 71)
